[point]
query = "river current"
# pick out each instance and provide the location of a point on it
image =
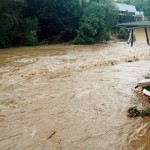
(67, 97)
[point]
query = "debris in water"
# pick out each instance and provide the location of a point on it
(135, 112)
(51, 135)
(130, 60)
(143, 88)
(147, 76)
(144, 83)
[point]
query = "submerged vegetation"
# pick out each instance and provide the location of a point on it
(135, 112)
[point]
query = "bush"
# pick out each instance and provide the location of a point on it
(83, 40)
(31, 38)
(123, 33)
(30, 31)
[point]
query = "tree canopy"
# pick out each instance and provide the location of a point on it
(29, 22)
(98, 19)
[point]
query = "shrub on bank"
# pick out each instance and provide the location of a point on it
(123, 33)
(31, 38)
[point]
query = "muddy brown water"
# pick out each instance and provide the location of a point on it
(66, 97)
(140, 35)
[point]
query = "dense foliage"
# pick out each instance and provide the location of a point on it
(97, 22)
(25, 22)
(9, 20)
(29, 22)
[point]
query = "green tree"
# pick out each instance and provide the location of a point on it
(59, 19)
(50, 19)
(30, 31)
(97, 22)
(146, 7)
(27, 22)
(9, 20)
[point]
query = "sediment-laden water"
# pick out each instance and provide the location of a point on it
(66, 97)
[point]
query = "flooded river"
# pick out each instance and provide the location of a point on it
(66, 97)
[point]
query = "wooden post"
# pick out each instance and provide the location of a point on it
(132, 36)
(147, 38)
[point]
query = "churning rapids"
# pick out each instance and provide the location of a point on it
(67, 97)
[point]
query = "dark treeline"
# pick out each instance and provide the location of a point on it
(32, 22)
